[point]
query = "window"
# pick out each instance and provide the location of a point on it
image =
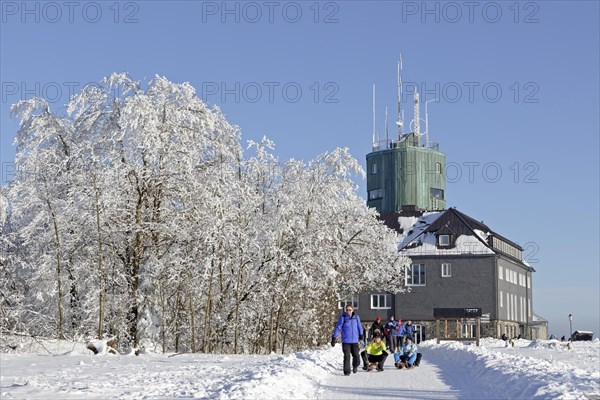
(349, 300)
(381, 301)
(501, 302)
(500, 272)
(444, 240)
(438, 167)
(528, 282)
(374, 168)
(375, 194)
(436, 193)
(446, 272)
(415, 275)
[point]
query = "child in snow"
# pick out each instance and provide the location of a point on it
(408, 356)
(374, 353)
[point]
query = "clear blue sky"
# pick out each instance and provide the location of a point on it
(517, 87)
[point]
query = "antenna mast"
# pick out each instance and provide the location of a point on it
(417, 121)
(400, 121)
(386, 129)
(427, 123)
(374, 142)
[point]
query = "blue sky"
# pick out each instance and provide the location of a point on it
(517, 85)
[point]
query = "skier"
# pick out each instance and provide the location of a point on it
(374, 353)
(352, 331)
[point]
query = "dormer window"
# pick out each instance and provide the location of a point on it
(444, 240)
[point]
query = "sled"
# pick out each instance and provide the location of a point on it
(372, 366)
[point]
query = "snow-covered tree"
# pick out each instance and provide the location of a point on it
(140, 215)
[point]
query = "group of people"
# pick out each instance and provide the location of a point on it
(399, 340)
(393, 331)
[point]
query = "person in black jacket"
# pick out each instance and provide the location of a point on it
(377, 325)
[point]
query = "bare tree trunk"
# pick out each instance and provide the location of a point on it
(101, 273)
(193, 320)
(208, 312)
(281, 310)
(61, 333)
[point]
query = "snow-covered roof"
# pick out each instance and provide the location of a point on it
(417, 235)
(465, 244)
(414, 238)
(411, 227)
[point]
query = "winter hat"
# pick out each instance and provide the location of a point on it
(378, 319)
(408, 338)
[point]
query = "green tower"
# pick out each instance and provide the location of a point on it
(407, 172)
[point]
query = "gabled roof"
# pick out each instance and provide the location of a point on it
(418, 230)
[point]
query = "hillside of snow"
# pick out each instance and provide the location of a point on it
(35, 369)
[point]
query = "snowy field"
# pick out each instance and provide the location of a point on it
(451, 370)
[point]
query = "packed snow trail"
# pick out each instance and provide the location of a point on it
(451, 370)
(428, 381)
(421, 382)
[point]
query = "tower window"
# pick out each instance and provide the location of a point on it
(375, 194)
(438, 167)
(436, 193)
(374, 168)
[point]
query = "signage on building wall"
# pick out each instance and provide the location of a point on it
(456, 312)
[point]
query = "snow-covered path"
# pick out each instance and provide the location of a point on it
(424, 382)
(451, 370)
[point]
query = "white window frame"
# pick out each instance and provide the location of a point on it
(408, 271)
(374, 168)
(438, 167)
(440, 242)
(500, 272)
(387, 301)
(501, 300)
(351, 299)
(446, 270)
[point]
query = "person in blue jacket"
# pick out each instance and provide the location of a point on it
(408, 356)
(352, 331)
(409, 330)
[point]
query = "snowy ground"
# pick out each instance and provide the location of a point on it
(539, 369)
